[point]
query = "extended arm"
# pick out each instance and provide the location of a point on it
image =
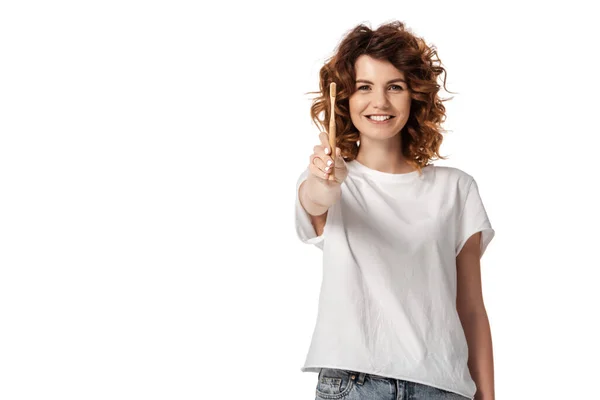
(474, 319)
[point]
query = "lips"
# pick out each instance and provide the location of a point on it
(378, 118)
(383, 121)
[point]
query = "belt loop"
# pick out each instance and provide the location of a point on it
(361, 378)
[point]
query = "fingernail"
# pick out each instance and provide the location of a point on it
(329, 162)
(326, 150)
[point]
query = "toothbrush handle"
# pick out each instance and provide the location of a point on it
(332, 141)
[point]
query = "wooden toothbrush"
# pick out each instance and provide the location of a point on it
(332, 141)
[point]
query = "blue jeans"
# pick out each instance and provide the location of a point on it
(351, 385)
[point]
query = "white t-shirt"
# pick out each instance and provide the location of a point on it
(387, 304)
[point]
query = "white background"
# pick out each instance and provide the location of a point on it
(148, 160)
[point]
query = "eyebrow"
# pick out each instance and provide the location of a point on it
(369, 82)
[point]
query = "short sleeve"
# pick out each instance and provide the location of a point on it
(472, 219)
(304, 228)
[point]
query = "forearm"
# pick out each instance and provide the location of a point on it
(481, 360)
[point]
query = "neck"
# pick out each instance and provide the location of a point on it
(384, 156)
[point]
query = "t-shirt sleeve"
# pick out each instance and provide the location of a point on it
(304, 228)
(472, 219)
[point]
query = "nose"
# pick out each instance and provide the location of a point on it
(380, 99)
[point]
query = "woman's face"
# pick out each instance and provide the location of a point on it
(380, 89)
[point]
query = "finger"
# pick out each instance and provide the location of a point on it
(324, 138)
(320, 163)
(340, 163)
(320, 152)
(338, 154)
(318, 168)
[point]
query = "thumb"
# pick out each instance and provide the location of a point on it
(338, 154)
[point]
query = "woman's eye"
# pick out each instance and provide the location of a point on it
(365, 86)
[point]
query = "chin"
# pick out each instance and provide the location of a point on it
(378, 135)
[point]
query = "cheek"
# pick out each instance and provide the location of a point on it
(404, 110)
(356, 107)
(355, 118)
(403, 102)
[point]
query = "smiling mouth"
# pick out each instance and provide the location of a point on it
(379, 119)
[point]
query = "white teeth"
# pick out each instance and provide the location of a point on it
(379, 118)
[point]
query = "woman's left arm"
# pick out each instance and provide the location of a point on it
(474, 319)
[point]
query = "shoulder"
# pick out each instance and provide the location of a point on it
(453, 175)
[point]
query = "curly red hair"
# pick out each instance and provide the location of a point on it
(421, 136)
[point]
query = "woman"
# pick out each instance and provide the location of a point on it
(402, 238)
